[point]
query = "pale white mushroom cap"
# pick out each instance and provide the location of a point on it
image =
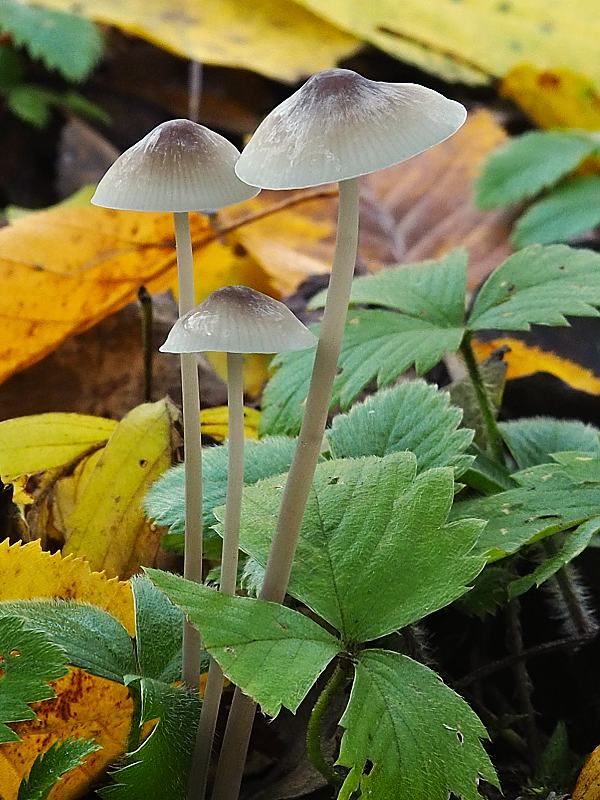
(237, 319)
(340, 125)
(178, 166)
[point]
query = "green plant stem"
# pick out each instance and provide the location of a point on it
(229, 562)
(145, 301)
(239, 724)
(522, 679)
(487, 411)
(192, 568)
(314, 731)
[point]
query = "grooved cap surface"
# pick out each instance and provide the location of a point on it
(179, 166)
(340, 125)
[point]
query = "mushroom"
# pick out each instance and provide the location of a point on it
(336, 127)
(179, 167)
(233, 320)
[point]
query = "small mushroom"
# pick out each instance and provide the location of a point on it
(179, 167)
(336, 127)
(233, 320)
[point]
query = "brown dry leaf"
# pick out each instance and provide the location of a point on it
(431, 199)
(557, 98)
(588, 782)
(107, 525)
(85, 706)
(27, 572)
(277, 38)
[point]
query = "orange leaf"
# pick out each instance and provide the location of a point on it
(588, 782)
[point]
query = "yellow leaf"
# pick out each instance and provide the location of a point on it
(557, 98)
(46, 441)
(107, 525)
(588, 782)
(274, 37)
(84, 707)
(65, 269)
(256, 370)
(214, 422)
(471, 40)
(27, 572)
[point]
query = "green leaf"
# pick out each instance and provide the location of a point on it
(50, 766)
(31, 104)
(538, 285)
(160, 765)
(422, 740)
(433, 291)
(532, 441)
(416, 563)
(29, 660)
(463, 394)
(549, 498)
(526, 165)
(80, 105)
(12, 70)
(486, 475)
(570, 209)
(159, 631)
(165, 502)
(413, 416)
(91, 638)
(489, 592)
(572, 545)
(274, 654)
(71, 45)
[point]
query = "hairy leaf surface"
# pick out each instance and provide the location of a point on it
(51, 765)
(532, 441)
(159, 631)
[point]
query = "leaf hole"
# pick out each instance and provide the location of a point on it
(143, 462)
(229, 649)
(333, 480)
(368, 768)
(460, 737)
(15, 654)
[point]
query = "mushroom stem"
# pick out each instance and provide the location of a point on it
(229, 564)
(192, 448)
(239, 723)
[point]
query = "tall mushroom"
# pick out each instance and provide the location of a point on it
(233, 320)
(336, 127)
(179, 167)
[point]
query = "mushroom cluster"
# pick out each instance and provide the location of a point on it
(335, 128)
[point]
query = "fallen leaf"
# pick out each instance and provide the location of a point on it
(215, 422)
(107, 525)
(554, 98)
(588, 782)
(84, 707)
(28, 572)
(473, 41)
(272, 40)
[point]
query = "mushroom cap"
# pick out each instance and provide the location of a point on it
(237, 319)
(178, 166)
(340, 125)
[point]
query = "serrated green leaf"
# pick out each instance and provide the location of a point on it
(91, 638)
(274, 654)
(433, 291)
(160, 765)
(159, 632)
(71, 45)
(549, 498)
(532, 441)
(422, 739)
(573, 544)
(489, 592)
(570, 209)
(538, 285)
(51, 765)
(416, 563)
(413, 416)
(526, 165)
(29, 660)
(165, 502)
(31, 104)
(486, 475)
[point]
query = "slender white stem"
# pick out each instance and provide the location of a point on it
(192, 448)
(295, 496)
(229, 563)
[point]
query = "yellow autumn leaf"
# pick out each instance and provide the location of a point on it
(557, 98)
(588, 782)
(107, 525)
(214, 422)
(256, 370)
(277, 38)
(473, 40)
(46, 441)
(27, 572)
(85, 706)
(65, 269)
